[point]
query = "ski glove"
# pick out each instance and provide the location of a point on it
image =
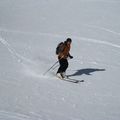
(71, 57)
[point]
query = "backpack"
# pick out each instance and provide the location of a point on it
(59, 48)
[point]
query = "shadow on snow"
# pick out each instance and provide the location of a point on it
(86, 71)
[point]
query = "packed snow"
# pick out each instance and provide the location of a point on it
(29, 33)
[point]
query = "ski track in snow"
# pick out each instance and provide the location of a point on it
(97, 41)
(34, 116)
(13, 116)
(58, 35)
(18, 116)
(104, 29)
(13, 52)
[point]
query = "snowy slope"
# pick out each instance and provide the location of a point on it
(29, 33)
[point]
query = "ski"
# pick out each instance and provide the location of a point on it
(74, 80)
(68, 79)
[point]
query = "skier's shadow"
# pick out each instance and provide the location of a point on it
(86, 71)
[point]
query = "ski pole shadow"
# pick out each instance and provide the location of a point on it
(86, 71)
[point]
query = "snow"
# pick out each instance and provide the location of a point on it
(29, 33)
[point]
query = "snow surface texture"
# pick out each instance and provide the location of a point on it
(29, 33)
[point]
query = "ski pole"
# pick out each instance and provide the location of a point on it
(55, 67)
(50, 68)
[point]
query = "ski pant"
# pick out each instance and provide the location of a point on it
(63, 65)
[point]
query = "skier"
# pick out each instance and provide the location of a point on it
(62, 57)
